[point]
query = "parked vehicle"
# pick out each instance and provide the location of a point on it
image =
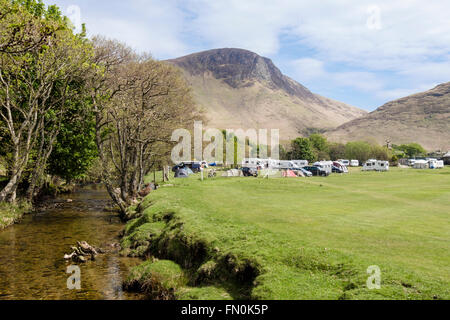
(337, 170)
(354, 163)
(325, 165)
(344, 162)
(305, 172)
(252, 163)
(317, 171)
(375, 165)
(300, 163)
(250, 172)
(341, 167)
(286, 165)
(436, 164)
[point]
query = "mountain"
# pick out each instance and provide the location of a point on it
(422, 118)
(240, 89)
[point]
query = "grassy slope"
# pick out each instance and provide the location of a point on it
(315, 238)
(10, 214)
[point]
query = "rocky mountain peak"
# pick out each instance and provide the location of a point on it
(240, 68)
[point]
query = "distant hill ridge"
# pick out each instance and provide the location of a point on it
(422, 117)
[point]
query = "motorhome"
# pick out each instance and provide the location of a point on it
(301, 163)
(325, 165)
(354, 163)
(376, 165)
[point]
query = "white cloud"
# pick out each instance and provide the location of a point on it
(408, 39)
(309, 69)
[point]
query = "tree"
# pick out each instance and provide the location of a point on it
(75, 150)
(36, 74)
(358, 150)
(138, 102)
(302, 149)
(319, 142)
(337, 151)
(413, 150)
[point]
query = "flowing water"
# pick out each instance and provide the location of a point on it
(31, 253)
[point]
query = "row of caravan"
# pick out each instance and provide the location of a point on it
(274, 164)
(326, 166)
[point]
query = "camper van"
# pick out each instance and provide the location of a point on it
(354, 163)
(300, 163)
(435, 164)
(375, 165)
(325, 165)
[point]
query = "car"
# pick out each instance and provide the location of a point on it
(337, 170)
(305, 172)
(250, 172)
(316, 171)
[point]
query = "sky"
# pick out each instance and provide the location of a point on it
(364, 53)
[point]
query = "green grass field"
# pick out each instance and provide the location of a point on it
(297, 238)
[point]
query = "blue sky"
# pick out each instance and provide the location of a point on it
(364, 53)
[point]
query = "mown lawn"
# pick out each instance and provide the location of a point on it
(315, 238)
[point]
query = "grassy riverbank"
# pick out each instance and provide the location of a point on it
(296, 238)
(12, 213)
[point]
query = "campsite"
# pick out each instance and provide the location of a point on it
(279, 239)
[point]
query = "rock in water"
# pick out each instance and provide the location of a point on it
(82, 252)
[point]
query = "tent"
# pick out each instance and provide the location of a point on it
(182, 173)
(289, 174)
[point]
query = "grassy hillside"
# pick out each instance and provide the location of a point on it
(240, 89)
(422, 118)
(301, 238)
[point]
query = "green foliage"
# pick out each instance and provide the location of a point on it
(412, 150)
(337, 151)
(319, 142)
(75, 149)
(302, 149)
(358, 150)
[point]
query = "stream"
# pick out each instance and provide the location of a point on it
(31, 252)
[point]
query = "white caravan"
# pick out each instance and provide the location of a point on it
(344, 162)
(325, 165)
(354, 163)
(435, 164)
(376, 165)
(300, 163)
(286, 165)
(252, 163)
(421, 164)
